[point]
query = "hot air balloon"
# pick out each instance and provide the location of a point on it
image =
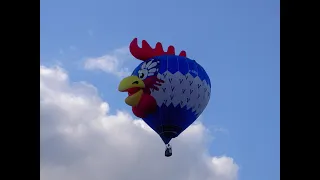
(167, 91)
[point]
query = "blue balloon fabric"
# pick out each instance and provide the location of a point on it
(181, 98)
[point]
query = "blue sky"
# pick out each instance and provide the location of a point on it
(238, 43)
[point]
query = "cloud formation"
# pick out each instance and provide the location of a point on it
(81, 140)
(111, 63)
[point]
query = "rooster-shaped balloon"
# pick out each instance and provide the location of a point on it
(167, 91)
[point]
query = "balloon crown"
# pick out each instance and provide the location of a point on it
(146, 51)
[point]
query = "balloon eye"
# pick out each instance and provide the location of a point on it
(135, 82)
(141, 75)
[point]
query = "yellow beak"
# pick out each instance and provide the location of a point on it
(130, 83)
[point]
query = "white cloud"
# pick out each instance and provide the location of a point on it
(111, 63)
(81, 140)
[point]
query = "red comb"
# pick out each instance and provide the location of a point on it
(146, 51)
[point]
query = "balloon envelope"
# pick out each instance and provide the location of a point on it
(181, 98)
